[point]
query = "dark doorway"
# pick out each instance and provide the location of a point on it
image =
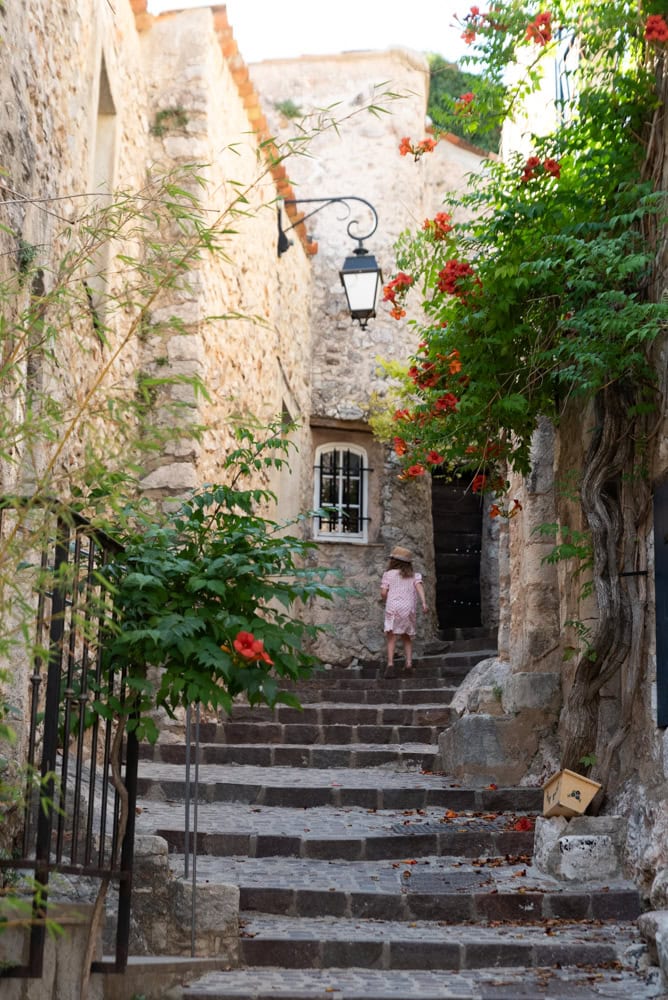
(457, 519)
(661, 592)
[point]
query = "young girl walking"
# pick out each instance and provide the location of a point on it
(399, 588)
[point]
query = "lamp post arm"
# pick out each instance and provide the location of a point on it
(284, 243)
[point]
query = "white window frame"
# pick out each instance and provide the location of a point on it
(339, 534)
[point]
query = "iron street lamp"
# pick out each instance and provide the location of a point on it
(360, 275)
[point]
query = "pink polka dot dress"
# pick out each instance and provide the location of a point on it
(401, 601)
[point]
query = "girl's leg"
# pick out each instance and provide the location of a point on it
(390, 637)
(408, 651)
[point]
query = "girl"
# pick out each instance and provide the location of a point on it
(398, 588)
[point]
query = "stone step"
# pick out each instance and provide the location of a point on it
(435, 678)
(265, 845)
(422, 756)
(329, 713)
(369, 788)
(418, 695)
(322, 942)
(336, 734)
(276, 983)
(456, 664)
(353, 833)
(155, 976)
(456, 890)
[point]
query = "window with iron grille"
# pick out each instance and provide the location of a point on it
(341, 490)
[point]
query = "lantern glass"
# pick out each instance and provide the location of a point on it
(361, 278)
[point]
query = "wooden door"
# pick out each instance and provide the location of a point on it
(457, 519)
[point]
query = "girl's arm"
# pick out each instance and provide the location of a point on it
(420, 590)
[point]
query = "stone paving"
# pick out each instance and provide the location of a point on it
(368, 984)
(365, 874)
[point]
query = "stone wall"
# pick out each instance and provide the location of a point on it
(246, 318)
(361, 158)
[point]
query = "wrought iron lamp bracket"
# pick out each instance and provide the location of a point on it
(284, 243)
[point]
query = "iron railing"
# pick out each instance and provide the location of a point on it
(72, 807)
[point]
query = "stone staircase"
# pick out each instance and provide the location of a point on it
(365, 873)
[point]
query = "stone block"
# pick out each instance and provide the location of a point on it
(582, 848)
(487, 675)
(653, 927)
(480, 749)
(591, 857)
(532, 690)
(659, 891)
(63, 957)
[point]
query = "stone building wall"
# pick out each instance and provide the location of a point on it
(246, 320)
(62, 66)
(361, 158)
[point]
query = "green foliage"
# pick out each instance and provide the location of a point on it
(288, 108)
(539, 297)
(447, 83)
(25, 255)
(189, 582)
(575, 546)
(583, 641)
(169, 120)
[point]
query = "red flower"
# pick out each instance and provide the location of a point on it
(251, 648)
(424, 146)
(540, 30)
(452, 279)
(415, 470)
(434, 458)
(469, 35)
(439, 226)
(656, 29)
(454, 364)
(401, 415)
(400, 446)
(524, 823)
(446, 403)
(463, 103)
(478, 483)
(530, 168)
(399, 285)
(552, 167)
(515, 509)
(494, 510)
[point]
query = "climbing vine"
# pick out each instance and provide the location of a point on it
(540, 291)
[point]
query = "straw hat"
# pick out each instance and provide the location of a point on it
(403, 555)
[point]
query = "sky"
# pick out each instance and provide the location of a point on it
(280, 29)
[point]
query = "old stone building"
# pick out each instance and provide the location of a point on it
(102, 107)
(98, 98)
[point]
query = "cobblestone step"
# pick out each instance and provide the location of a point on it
(338, 734)
(588, 983)
(324, 832)
(364, 874)
(370, 788)
(329, 713)
(437, 889)
(420, 756)
(419, 694)
(324, 943)
(456, 665)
